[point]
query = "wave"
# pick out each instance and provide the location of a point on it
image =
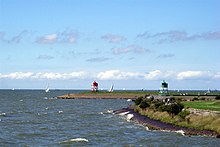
(75, 140)
(130, 116)
(123, 113)
(2, 114)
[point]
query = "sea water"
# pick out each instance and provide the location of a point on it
(36, 118)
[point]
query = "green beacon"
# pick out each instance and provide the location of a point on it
(163, 89)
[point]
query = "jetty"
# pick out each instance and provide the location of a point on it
(103, 95)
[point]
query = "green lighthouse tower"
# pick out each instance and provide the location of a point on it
(163, 89)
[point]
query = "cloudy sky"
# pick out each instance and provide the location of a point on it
(134, 44)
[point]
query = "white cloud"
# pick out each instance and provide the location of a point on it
(176, 35)
(131, 48)
(17, 75)
(98, 59)
(194, 75)
(166, 56)
(115, 75)
(118, 75)
(47, 75)
(51, 38)
(113, 38)
(217, 75)
(61, 76)
(59, 37)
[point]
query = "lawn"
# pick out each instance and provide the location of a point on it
(207, 105)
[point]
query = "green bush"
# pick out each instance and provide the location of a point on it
(183, 114)
(158, 104)
(174, 109)
(144, 104)
(138, 100)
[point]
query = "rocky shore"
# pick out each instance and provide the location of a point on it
(158, 125)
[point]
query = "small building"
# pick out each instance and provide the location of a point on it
(94, 86)
(163, 89)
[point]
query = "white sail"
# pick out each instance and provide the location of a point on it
(111, 88)
(47, 89)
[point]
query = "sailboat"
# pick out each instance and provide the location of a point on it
(47, 89)
(111, 88)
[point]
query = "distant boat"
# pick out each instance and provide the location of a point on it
(111, 88)
(47, 89)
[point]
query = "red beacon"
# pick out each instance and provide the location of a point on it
(94, 86)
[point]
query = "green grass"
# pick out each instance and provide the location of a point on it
(120, 92)
(195, 121)
(207, 105)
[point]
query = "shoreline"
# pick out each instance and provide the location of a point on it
(158, 125)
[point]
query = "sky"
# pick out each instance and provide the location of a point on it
(133, 44)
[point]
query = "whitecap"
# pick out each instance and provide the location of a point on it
(147, 128)
(2, 114)
(130, 116)
(75, 140)
(109, 111)
(181, 132)
(60, 111)
(123, 113)
(101, 113)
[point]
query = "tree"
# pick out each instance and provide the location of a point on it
(138, 100)
(174, 109)
(144, 104)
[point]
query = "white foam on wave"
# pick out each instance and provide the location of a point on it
(123, 113)
(109, 111)
(2, 114)
(76, 140)
(130, 116)
(60, 111)
(181, 132)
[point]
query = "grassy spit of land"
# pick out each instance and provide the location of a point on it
(200, 114)
(185, 118)
(103, 95)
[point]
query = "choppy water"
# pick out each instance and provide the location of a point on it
(33, 118)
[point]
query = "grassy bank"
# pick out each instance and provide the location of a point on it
(206, 105)
(191, 121)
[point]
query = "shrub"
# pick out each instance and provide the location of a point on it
(174, 109)
(144, 104)
(138, 100)
(158, 104)
(183, 114)
(217, 97)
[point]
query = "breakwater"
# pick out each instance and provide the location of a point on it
(91, 95)
(158, 125)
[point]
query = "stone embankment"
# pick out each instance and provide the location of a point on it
(158, 125)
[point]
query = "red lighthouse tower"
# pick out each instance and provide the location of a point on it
(94, 86)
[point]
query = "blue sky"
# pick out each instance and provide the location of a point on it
(134, 44)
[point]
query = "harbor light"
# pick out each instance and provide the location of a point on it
(163, 89)
(94, 86)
